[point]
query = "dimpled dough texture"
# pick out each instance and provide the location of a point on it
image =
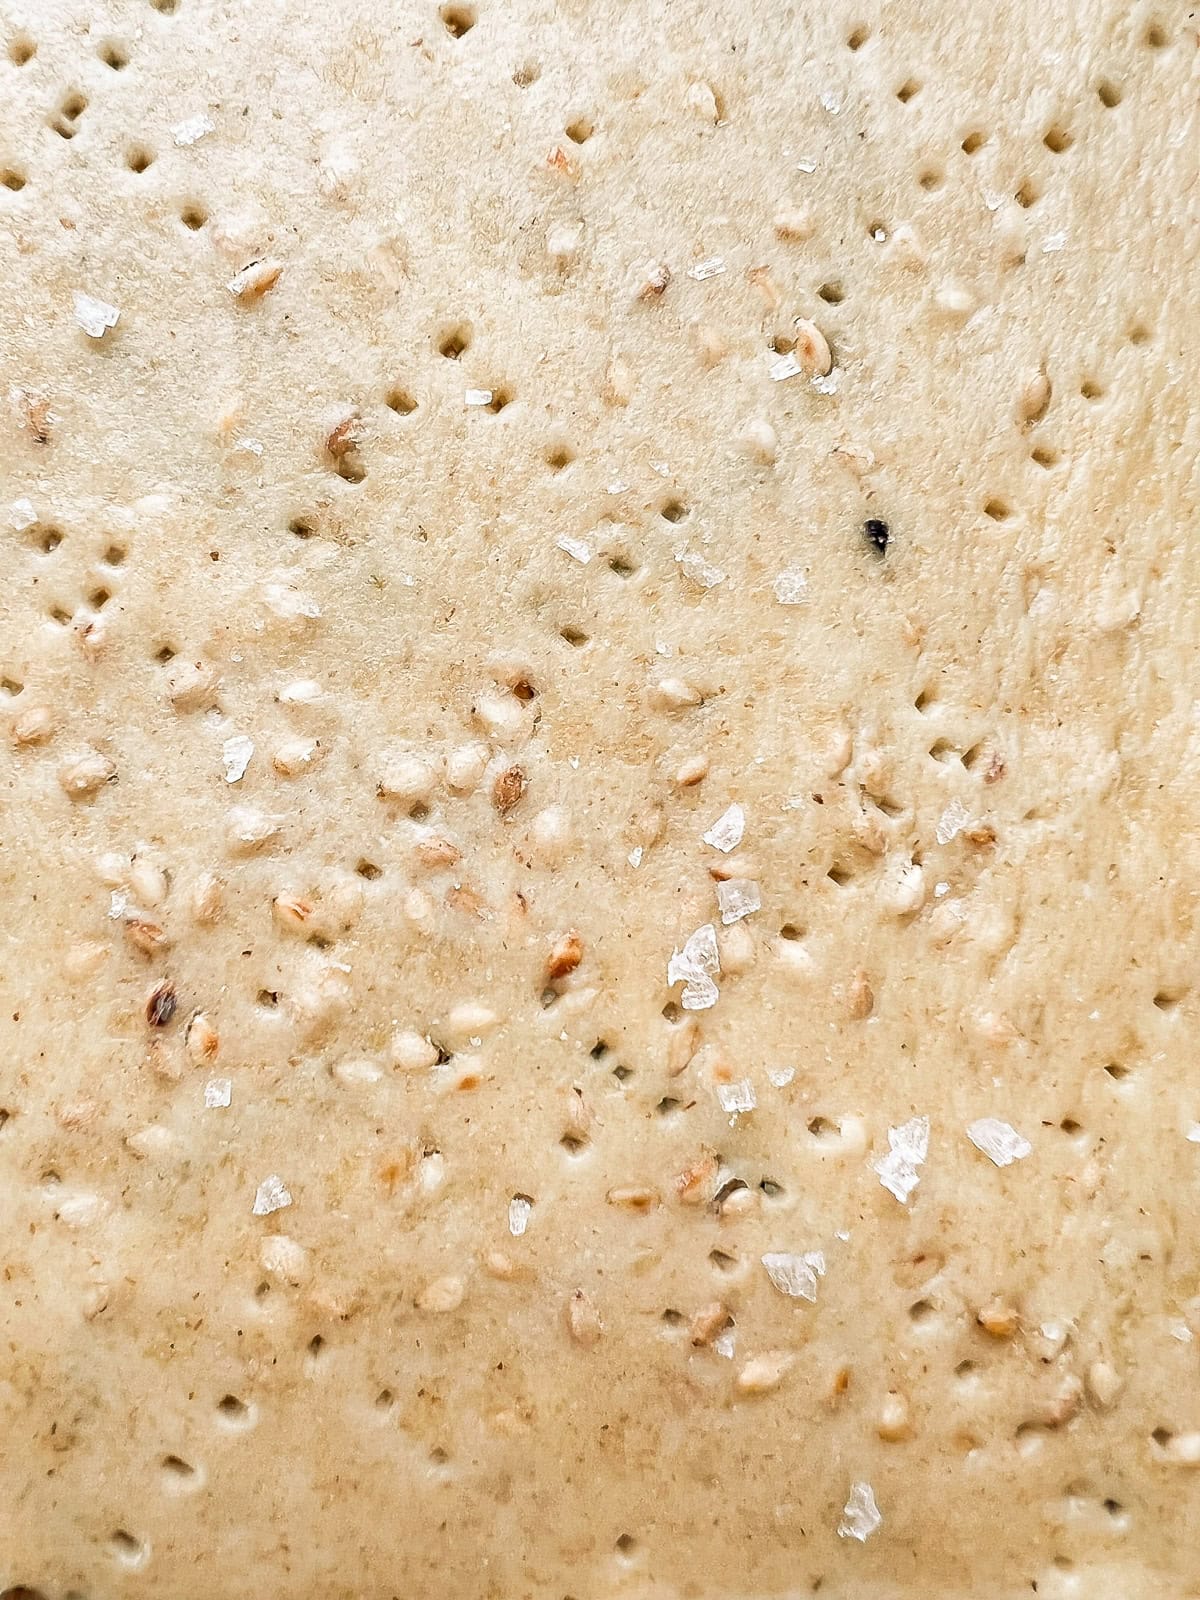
(454, 461)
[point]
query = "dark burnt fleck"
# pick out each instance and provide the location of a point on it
(877, 534)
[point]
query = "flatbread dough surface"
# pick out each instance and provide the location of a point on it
(452, 462)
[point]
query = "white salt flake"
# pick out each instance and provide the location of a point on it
(952, 821)
(94, 316)
(726, 1343)
(617, 486)
(993, 199)
(909, 1145)
(806, 164)
(21, 515)
(236, 753)
(1181, 1331)
(737, 898)
(251, 447)
(737, 1097)
(1193, 1133)
(218, 1092)
(941, 888)
(694, 966)
(634, 857)
(826, 383)
(519, 1209)
(860, 1514)
(711, 268)
(999, 1141)
(795, 1275)
(1054, 242)
(700, 571)
(192, 129)
(726, 832)
(117, 901)
(273, 1194)
(661, 468)
(831, 102)
(787, 366)
(789, 586)
(575, 547)
(781, 1076)
(477, 397)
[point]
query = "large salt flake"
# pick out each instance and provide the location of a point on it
(737, 898)
(726, 832)
(795, 1275)
(273, 1194)
(860, 1515)
(909, 1145)
(694, 966)
(999, 1141)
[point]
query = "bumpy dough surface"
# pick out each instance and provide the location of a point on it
(494, 524)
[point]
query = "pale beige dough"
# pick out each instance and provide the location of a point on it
(435, 459)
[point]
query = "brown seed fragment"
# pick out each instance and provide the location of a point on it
(160, 1007)
(565, 956)
(201, 1040)
(708, 1322)
(694, 1184)
(657, 277)
(507, 789)
(146, 936)
(860, 998)
(998, 1318)
(291, 911)
(583, 1320)
(33, 414)
(344, 436)
(633, 1197)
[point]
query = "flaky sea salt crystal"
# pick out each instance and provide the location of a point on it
(575, 547)
(250, 447)
(1054, 242)
(952, 821)
(737, 898)
(94, 316)
(694, 966)
(1193, 1133)
(726, 832)
(860, 1514)
(725, 1344)
(787, 366)
(272, 1195)
(519, 1208)
(235, 754)
(661, 468)
(806, 164)
(781, 1076)
(789, 586)
(192, 129)
(634, 857)
(795, 1275)
(707, 269)
(617, 486)
(831, 101)
(477, 397)
(218, 1092)
(909, 1145)
(737, 1097)
(999, 1141)
(700, 571)
(825, 383)
(117, 901)
(21, 515)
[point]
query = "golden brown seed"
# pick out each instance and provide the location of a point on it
(507, 789)
(812, 349)
(565, 956)
(86, 774)
(694, 1184)
(708, 1322)
(583, 1320)
(860, 998)
(160, 1007)
(146, 936)
(437, 851)
(633, 1197)
(33, 726)
(998, 1318)
(291, 911)
(202, 1040)
(207, 899)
